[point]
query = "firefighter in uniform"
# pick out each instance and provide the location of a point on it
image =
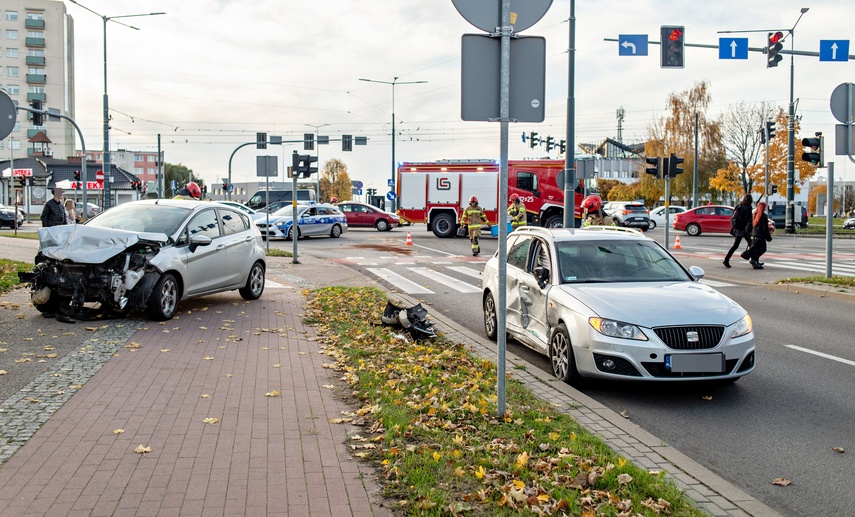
(516, 211)
(191, 191)
(594, 214)
(472, 217)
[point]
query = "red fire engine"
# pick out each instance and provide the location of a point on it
(435, 193)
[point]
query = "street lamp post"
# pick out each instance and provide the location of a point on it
(791, 137)
(393, 82)
(106, 152)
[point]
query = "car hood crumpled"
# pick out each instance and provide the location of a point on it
(90, 244)
(658, 304)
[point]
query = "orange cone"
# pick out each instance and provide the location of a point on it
(409, 239)
(677, 243)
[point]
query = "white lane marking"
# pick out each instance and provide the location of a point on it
(814, 268)
(468, 271)
(407, 286)
(820, 354)
(274, 285)
(714, 283)
(367, 264)
(445, 280)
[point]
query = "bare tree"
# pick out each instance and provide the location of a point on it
(742, 136)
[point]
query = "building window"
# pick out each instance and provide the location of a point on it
(36, 89)
(149, 158)
(35, 52)
(36, 71)
(11, 34)
(151, 171)
(11, 52)
(15, 145)
(138, 171)
(12, 71)
(35, 16)
(11, 16)
(36, 34)
(13, 89)
(138, 158)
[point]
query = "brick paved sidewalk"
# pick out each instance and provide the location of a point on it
(264, 456)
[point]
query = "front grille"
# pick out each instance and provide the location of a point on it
(622, 366)
(658, 370)
(677, 337)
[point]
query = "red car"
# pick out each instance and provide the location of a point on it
(368, 216)
(707, 219)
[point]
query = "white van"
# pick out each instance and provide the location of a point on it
(262, 197)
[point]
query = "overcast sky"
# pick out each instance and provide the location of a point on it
(210, 74)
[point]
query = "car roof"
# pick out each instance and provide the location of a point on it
(587, 233)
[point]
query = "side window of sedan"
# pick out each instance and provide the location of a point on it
(204, 223)
(518, 252)
(232, 222)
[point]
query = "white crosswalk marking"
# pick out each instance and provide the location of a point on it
(407, 286)
(715, 283)
(814, 267)
(445, 280)
(468, 271)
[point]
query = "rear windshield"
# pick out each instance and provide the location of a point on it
(635, 208)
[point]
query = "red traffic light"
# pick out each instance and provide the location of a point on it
(775, 37)
(677, 33)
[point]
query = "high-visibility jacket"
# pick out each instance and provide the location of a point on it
(517, 214)
(473, 216)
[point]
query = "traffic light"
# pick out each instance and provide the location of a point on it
(308, 141)
(346, 143)
(672, 44)
(533, 140)
(770, 130)
(204, 188)
(773, 189)
(23, 181)
(371, 191)
(261, 140)
(308, 170)
(774, 46)
(76, 175)
(816, 155)
(38, 118)
(225, 186)
(550, 143)
(562, 146)
(653, 163)
(675, 166)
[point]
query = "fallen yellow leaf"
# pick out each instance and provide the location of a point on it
(838, 449)
(166, 350)
(274, 393)
(118, 431)
(211, 420)
(142, 449)
(205, 396)
(208, 358)
(781, 482)
(3, 372)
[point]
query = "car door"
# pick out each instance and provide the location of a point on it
(722, 219)
(518, 247)
(237, 241)
(206, 266)
(533, 294)
(309, 222)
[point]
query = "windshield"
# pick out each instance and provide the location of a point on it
(141, 218)
(616, 261)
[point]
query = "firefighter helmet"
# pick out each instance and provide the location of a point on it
(334, 200)
(515, 197)
(193, 190)
(592, 203)
(473, 199)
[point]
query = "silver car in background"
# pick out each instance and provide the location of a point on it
(146, 255)
(610, 303)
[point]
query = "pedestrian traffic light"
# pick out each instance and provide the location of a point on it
(533, 140)
(308, 142)
(346, 143)
(38, 118)
(675, 166)
(672, 44)
(816, 155)
(770, 130)
(261, 140)
(773, 49)
(550, 143)
(653, 166)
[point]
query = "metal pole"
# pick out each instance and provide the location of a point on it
(108, 176)
(791, 146)
(159, 168)
(570, 156)
(504, 119)
(694, 172)
(667, 209)
(829, 220)
(766, 139)
(392, 201)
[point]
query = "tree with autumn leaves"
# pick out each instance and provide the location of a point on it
(335, 182)
(745, 171)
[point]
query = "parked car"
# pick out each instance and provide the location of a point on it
(312, 220)
(261, 198)
(368, 216)
(849, 224)
(778, 214)
(657, 215)
(708, 219)
(578, 297)
(10, 217)
(631, 214)
(92, 209)
(254, 215)
(147, 255)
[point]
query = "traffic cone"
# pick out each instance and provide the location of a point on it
(677, 243)
(409, 239)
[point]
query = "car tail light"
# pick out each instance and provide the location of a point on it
(624, 212)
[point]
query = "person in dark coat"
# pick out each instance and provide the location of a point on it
(760, 235)
(53, 213)
(743, 211)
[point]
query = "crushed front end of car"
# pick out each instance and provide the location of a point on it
(79, 264)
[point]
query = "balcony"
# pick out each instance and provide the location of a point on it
(36, 97)
(36, 78)
(34, 24)
(36, 60)
(35, 42)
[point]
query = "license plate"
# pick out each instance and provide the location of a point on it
(695, 363)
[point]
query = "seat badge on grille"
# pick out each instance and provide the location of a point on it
(692, 336)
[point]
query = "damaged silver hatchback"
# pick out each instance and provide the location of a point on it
(146, 255)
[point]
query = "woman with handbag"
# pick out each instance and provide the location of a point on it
(760, 235)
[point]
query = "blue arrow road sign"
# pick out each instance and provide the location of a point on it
(733, 48)
(632, 45)
(390, 196)
(834, 50)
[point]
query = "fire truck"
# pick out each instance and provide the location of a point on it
(435, 193)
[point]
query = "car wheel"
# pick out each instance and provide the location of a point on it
(335, 233)
(443, 226)
(652, 225)
(382, 225)
(163, 302)
(561, 357)
(693, 229)
(490, 318)
(254, 283)
(291, 233)
(556, 221)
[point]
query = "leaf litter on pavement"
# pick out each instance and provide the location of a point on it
(428, 408)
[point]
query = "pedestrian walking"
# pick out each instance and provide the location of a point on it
(70, 211)
(516, 211)
(53, 213)
(760, 235)
(740, 228)
(472, 217)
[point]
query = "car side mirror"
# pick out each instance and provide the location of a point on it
(696, 272)
(199, 240)
(541, 274)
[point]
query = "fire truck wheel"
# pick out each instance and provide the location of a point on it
(443, 226)
(556, 221)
